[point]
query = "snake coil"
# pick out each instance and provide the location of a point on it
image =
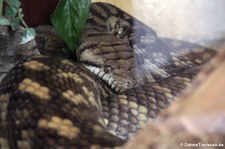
(125, 76)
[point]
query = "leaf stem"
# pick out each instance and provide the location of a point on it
(1, 5)
(20, 15)
(23, 22)
(12, 5)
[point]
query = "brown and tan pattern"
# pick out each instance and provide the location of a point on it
(197, 121)
(125, 76)
(126, 53)
(34, 88)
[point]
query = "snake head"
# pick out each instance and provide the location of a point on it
(112, 61)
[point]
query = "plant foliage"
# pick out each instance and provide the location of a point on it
(69, 19)
(13, 16)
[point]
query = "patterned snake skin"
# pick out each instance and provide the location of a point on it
(124, 77)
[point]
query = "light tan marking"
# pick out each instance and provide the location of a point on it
(184, 51)
(43, 123)
(4, 144)
(141, 124)
(134, 112)
(175, 59)
(66, 62)
(73, 76)
(132, 105)
(189, 63)
(122, 96)
(103, 121)
(154, 68)
(178, 64)
(106, 121)
(98, 128)
(4, 97)
(166, 90)
(76, 98)
(35, 65)
(186, 79)
(99, 131)
(4, 100)
(25, 134)
(153, 106)
(123, 101)
(95, 146)
(88, 54)
(151, 99)
(34, 88)
(112, 132)
(91, 98)
(142, 117)
(64, 127)
(113, 125)
(122, 130)
(113, 24)
(157, 87)
(183, 63)
(142, 109)
(23, 144)
(183, 79)
(168, 95)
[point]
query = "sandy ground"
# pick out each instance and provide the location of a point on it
(198, 21)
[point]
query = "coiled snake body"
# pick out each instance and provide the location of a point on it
(124, 77)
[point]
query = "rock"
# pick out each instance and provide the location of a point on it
(11, 49)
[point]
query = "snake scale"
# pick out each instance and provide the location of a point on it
(125, 75)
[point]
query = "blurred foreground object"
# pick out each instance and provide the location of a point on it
(196, 21)
(197, 120)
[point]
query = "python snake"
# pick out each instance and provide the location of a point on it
(124, 76)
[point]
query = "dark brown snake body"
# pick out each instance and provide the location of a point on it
(50, 102)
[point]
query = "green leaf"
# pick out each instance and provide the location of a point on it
(27, 35)
(14, 3)
(12, 8)
(4, 21)
(15, 22)
(69, 19)
(10, 11)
